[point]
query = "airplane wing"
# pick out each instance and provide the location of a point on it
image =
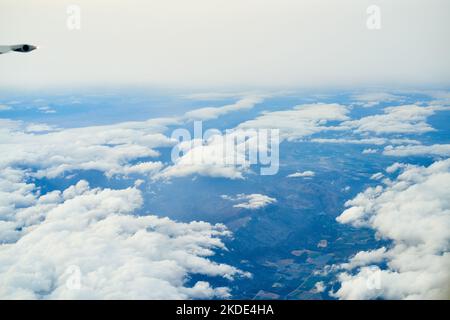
(17, 48)
(5, 49)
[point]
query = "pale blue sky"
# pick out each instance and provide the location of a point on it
(226, 43)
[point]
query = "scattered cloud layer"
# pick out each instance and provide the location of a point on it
(119, 149)
(120, 254)
(109, 149)
(371, 99)
(116, 253)
(131, 147)
(218, 157)
(401, 119)
(413, 212)
(442, 150)
(301, 121)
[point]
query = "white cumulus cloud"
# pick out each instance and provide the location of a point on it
(52, 152)
(115, 254)
(250, 201)
(413, 212)
(399, 119)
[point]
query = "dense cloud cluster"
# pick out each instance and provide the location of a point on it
(109, 149)
(413, 212)
(120, 149)
(93, 235)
